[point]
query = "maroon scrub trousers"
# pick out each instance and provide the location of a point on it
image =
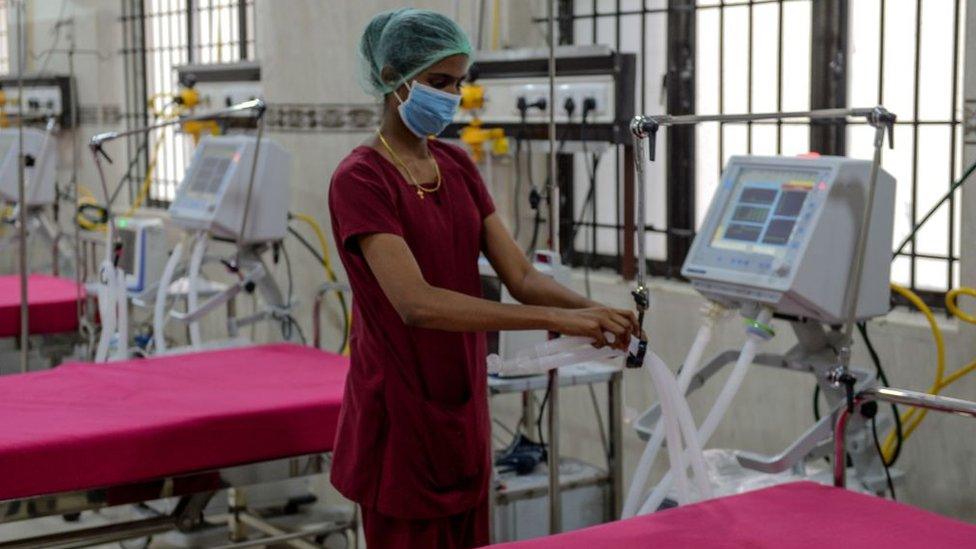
(413, 444)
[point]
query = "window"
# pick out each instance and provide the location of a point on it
(909, 58)
(160, 35)
(4, 45)
(781, 55)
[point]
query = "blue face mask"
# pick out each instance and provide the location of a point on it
(427, 111)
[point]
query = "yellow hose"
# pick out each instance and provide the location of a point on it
(913, 417)
(953, 307)
(327, 265)
(146, 185)
(496, 25)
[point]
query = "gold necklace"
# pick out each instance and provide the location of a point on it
(420, 188)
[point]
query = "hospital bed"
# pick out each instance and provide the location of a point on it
(52, 304)
(53, 317)
(88, 436)
(795, 515)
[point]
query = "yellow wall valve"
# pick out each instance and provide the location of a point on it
(472, 97)
(475, 137)
(499, 146)
(196, 128)
(188, 98)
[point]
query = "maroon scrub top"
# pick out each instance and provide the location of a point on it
(414, 430)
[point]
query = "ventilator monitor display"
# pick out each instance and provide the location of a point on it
(781, 231)
(214, 191)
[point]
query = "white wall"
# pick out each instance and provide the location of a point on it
(307, 55)
(307, 52)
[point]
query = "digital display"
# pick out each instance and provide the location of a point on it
(763, 211)
(758, 195)
(751, 214)
(745, 233)
(790, 203)
(128, 259)
(212, 167)
(778, 232)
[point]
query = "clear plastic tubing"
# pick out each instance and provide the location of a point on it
(689, 431)
(159, 307)
(545, 363)
(671, 427)
(718, 410)
(689, 368)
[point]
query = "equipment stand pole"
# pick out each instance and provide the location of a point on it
(555, 498)
(21, 193)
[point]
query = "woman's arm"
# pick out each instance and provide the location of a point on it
(421, 304)
(524, 282)
(527, 284)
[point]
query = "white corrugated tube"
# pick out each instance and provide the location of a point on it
(719, 408)
(712, 313)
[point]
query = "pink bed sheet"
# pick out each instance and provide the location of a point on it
(82, 426)
(52, 300)
(789, 516)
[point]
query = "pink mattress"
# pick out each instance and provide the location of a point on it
(798, 515)
(82, 426)
(52, 299)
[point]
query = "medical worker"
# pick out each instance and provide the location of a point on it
(411, 215)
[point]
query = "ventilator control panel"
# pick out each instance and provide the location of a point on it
(213, 193)
(40, 166)
(781, 231)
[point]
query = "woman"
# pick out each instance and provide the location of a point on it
(412, 216)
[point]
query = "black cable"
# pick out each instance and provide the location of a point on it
(286, 326)
(518, 183)
(899, 433)
(298, 329)
(877, 446)
(342, 299)
(958, 183)
(538, 421)
(537, 221)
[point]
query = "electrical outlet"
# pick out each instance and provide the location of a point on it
(532, 94)
(600, 93)
(40, 101)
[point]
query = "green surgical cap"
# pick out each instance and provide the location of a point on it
(408, 40)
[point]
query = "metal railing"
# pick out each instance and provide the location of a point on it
(895, 396)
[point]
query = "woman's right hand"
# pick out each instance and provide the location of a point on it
(595, 322)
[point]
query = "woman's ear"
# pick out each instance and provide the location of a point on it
(389, 75)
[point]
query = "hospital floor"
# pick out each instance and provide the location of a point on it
(330, 507)
(211, 537)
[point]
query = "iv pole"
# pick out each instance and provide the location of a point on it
(555, 498)
(21, 193)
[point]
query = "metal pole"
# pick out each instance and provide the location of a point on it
(615, 416)
(555, 498)
(21, 193)
(853, 291)
(250, 188)
(639, 160)
(818, 114)
(895, 396)
(73, 184)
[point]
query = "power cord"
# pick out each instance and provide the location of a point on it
(342, 302)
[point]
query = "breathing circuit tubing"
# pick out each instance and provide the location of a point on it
(679, 425)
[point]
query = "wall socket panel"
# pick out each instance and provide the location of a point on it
(219, 95)
(37, 101)
(501, 98)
